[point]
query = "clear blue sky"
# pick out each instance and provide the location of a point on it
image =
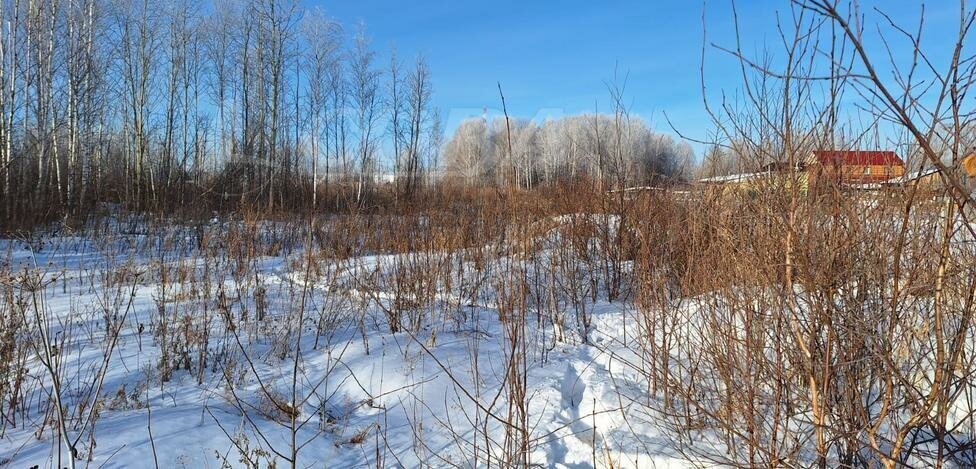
(553, 58)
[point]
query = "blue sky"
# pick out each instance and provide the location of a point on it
(554, 58)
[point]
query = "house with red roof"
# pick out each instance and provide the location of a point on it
(855, 166)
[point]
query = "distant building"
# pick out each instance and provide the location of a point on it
(969, 165)
(855, 167)
(855, 170)
(930, 178)
(750, 183)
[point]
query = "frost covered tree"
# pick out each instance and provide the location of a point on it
(560, 149)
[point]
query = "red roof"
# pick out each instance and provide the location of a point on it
(857, 158)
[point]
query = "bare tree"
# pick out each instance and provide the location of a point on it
(421, 119)
(322, 37)
(366, 102)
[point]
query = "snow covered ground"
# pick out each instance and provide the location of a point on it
(434, 393)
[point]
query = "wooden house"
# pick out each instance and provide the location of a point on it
(855, 167)
(969, 165)
(930, 179)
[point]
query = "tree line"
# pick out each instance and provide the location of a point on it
(160, 105)
(270, 104)
(613, 148)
